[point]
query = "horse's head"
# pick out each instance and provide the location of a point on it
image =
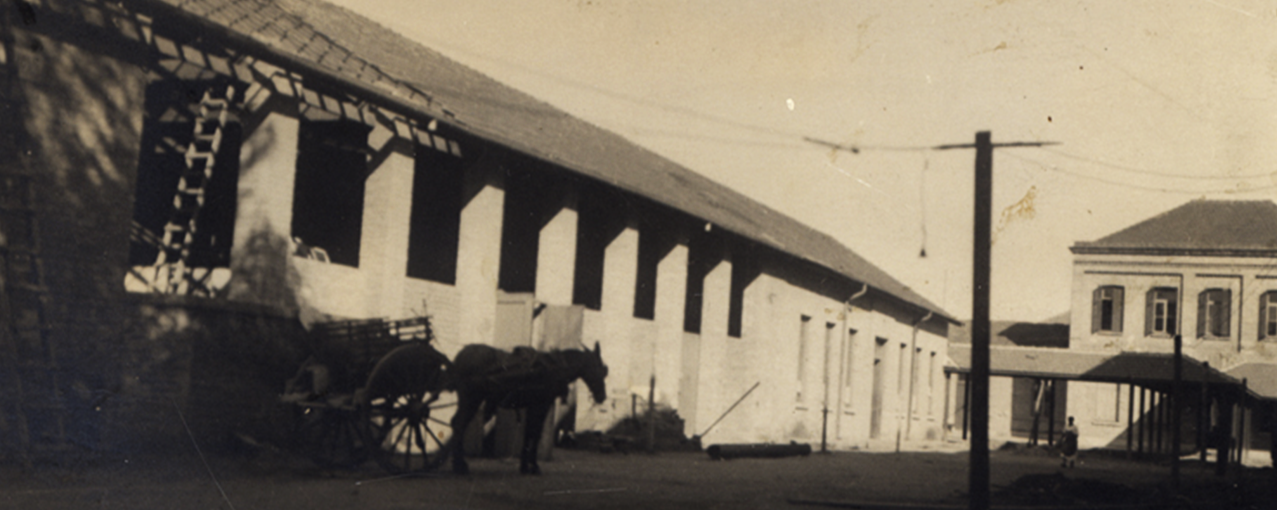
(593, 372)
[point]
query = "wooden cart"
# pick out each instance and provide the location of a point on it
(373, 388)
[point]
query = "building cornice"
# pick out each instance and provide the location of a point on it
(1085, 249)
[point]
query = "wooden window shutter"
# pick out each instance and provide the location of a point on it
(1202, 299)
(1097, 299)
(1149, 297)
(1119, 299)
(1225, 313)
(1263, 316)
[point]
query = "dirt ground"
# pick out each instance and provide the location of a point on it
(578, 479)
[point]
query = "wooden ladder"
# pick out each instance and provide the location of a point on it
(173, 274)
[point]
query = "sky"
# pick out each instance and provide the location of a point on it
(1152, 104)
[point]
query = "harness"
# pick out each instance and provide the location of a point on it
(527, 372)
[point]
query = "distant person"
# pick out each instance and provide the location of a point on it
(1068, 445)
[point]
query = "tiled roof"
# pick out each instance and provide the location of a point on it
(1200, 225)
(1023, 334)
(362, 54)
(1148, 369)
(1261, 378)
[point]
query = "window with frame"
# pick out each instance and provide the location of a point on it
(1161, 312)
(1106, 309)
(1214, 312)
(1268, 315)
(328, 193)
(804, 334)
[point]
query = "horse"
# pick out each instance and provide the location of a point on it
(486, 377)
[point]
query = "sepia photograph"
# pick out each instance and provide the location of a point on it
(647, 254)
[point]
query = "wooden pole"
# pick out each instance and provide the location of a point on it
(966, 406)
(1143, 419)
(1203, 413)
(1159, 421)
(1050, 421)
(651, 415)
(1241, 425)
(1175, 412)
(1130, 418)
(978, 476)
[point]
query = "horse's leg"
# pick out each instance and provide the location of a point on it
(467, 406)
(489, 438)
(532, 436)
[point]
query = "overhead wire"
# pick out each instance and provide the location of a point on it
(1116, 166)
(1195, 191)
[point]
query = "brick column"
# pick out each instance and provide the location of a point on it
(671, 295)
(479, 254)
(383, 252)
(556, 255)
(259, 256)
(712, 397)
(629, 357)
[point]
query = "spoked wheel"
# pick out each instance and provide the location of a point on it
(331, 437)
(410, 430)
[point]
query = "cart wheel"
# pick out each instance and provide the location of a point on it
(331, 437)
(410, 430)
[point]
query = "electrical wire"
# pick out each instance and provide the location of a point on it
(1155, 173)
(1055, 168)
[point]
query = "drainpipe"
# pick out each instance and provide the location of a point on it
(913, 372)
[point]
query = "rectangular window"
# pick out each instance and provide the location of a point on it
(804, 332)
(931, 384)
(188, 172)
(1214, 313)
(1162, 312)
(847, 358)
(1272, 319)
(328, 197)
(902, 368)
(435, 223)
(1106, 309)
(1268, 315)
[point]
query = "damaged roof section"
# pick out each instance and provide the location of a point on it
(378, 62)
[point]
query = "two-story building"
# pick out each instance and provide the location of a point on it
(1203, 272)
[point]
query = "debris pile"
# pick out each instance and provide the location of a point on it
(631, 434)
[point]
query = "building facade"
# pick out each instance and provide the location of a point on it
(1202, 271)
(189, 185)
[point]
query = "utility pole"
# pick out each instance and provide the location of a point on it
(978, 474)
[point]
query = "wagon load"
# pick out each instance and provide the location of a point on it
(369, 388)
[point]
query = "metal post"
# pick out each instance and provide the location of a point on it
(1050, 423)
(824, 430)
(978, 477)
(966, 406)
(1203, 413)
(1143, 419)
(1130, 418)
(1175, 411)
(651, 415)
(1159, 421)
(1241, 425)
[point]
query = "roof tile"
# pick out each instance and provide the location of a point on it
(496, 112)
(1202, 225)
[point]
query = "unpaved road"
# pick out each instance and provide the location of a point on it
(573, 479)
